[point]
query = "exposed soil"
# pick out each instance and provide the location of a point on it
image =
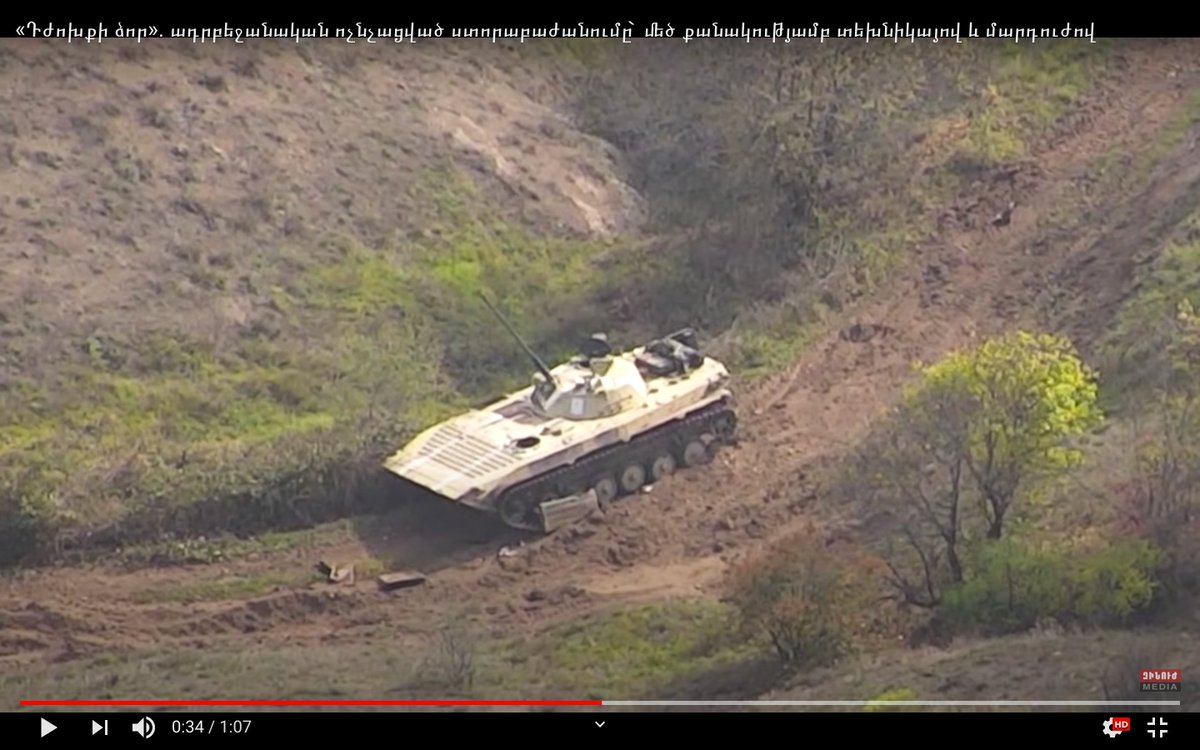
(677, 539)
(163, 185)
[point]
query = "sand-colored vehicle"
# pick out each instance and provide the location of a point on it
(600, 426)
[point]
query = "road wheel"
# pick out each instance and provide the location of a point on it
(694, 453)
(606, 489)
(725, 425)
(518, 512)
(662, 467)
(632, 478)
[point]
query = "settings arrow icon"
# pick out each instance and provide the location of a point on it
(1108, 728)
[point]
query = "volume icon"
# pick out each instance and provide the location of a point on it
(144, 727)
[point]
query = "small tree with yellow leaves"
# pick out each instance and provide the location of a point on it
(979, 430)
(1026, 395)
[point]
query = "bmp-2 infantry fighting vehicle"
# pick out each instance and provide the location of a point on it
(596, 427)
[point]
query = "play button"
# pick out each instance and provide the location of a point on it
(47, 727)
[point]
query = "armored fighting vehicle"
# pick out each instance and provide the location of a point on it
(599, 426)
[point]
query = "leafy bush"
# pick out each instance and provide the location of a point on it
(1016, 399)
(1015, 586)
(806, 597)
(25, 527)
(975, 437)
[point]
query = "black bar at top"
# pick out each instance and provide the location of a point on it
(256, 727)
(1108, 20)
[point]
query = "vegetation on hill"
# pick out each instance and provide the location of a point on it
(1014, 501)
(782, 182)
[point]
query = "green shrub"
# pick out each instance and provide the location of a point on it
(25, 527)
(806, 597)
(1014, 586)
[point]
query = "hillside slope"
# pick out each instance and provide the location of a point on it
(171, 187)
(223, 255)
(1094, 194)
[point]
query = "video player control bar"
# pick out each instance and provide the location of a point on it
(1077, 728)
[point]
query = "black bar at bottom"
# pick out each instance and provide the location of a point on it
(57, 727)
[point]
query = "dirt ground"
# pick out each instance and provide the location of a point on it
(170, 186)
(676, 540)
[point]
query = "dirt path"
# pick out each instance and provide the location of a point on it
(677, 539)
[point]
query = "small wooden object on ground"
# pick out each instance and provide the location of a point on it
(401, 579)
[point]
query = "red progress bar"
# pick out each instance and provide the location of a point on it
(312, 703)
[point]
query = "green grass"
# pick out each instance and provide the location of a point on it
(588, 54)
(205, 551)
(774, 338)
(1028, 90)
(1177, 130)
(868, 224)
(99, 446)
(388, 667)
(1135, 352)
(183, 433)
(223, 589)
(216, 406)
(346, 670)
(624, 654)
(543, 284)
(172, 432)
